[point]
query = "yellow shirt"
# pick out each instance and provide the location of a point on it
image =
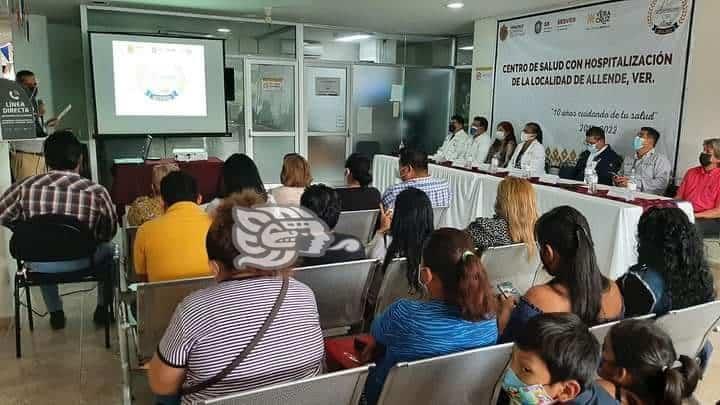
(172, 246)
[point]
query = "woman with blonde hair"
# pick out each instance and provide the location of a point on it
(295, 176)
(146, 208)
(514, 221)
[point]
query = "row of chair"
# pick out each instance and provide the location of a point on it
(470, 377)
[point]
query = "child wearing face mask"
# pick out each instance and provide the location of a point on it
(554, 361)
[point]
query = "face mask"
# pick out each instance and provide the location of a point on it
(638, 143)
(705, 159)
(526, 136)
(473, 131)
(591, 148)
(523, 394)
(499, 135)
(451, 128)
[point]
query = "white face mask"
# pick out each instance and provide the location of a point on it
(526, 136)
(500, 135)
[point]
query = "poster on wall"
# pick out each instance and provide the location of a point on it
(618, 65)
(17, 115)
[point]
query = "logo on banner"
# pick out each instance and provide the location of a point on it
(599, 19)
(504, 31)
(564, 23)
(538, 27)
(668, 16)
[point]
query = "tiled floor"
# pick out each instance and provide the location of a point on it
(72, 366)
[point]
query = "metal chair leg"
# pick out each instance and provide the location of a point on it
(107, 301)
(18, 350)
(29, 308)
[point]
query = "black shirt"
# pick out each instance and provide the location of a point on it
(345, 248)
(607, 163)
(359, 198)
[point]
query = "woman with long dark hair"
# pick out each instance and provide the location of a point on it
(671, 272)
(403, 232)
(567, 253)
(639, 359)
(504, 144)
(357, 194)
(240, 173)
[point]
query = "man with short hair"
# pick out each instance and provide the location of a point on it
(607, 162)
(63, 191)
(556, 359)
(479, 144)
(172, 246)
(651, 169)
(455, 142)
(325, 203)
(701, 188)
(413, 169)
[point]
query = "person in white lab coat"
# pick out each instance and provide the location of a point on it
(531, 151)
(455, 143)
(479, 144)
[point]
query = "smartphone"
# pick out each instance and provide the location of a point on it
(507, 289)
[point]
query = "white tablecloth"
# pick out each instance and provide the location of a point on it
(613, 224)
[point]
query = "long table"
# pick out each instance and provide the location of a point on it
(613, 223)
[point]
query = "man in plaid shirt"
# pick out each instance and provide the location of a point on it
(413, 168)
(63, 191)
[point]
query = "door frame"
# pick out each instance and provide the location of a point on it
(348, 100)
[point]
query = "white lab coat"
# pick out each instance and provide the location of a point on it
(454, 147)
(535, 154)
(477, 149)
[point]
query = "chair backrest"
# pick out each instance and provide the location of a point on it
(340, 388)
(129, 236)
(510, 263)
(469, 377)
(600, 331)
(51, 238)
(156, 304)
(439, 216)
(394, 285)
(689, 328)
(359, 224)
(340, 290)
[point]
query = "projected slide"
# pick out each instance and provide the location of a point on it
(159, 79)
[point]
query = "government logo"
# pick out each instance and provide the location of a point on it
(666, 16)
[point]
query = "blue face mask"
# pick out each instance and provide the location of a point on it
(523, 394)
(591, 148)
(638, 143)
(473, 131)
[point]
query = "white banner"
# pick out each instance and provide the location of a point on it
(619, 66)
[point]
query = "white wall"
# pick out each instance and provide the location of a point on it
(34, 55)
(701, 119)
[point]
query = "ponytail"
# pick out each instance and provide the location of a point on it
(474, 293)
(680, 382)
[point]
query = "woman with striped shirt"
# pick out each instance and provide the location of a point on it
(211, 327)
(460, 314)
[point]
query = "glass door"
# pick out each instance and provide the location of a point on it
(325, 120)
(271, 110)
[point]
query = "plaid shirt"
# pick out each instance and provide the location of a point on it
(437, 190)
(60, 192)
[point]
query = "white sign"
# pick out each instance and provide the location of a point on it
(619, 66)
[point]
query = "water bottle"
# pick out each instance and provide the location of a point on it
(526, 169)
(494, 163)
(631, 186)
(591, 178)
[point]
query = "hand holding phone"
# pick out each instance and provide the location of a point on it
(507, 290)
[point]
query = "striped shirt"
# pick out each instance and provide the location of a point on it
(212, 326)
(413, 330)
(437, 190)
(64, 193)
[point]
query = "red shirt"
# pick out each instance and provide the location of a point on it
(701, 188)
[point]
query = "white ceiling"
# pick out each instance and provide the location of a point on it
(388, 16)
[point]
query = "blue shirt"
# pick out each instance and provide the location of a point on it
(413, 330)
(437, 190)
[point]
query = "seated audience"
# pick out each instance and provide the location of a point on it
(555, 360)
(652, 169)
(607, 162)
(172, 246)
(503, 146)
(294, 176)
(455, 142)
(458, 316)
(413, 169)
(325, 203)
(146, 208)
(213, 326)
(479, 144)
(531, 152)
(63, 191)
(514, 221)
(701, 187)
(403, 232)
(357, 195)
(567, 253)
(671, 272)
(240, 173)
(640, 363)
